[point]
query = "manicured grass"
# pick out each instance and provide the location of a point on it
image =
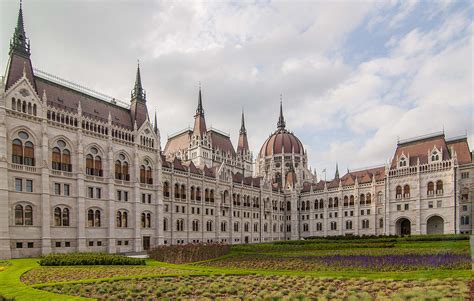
(249, 287)
(247, 273)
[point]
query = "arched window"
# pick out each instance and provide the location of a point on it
(146, 172)
(180, 225)
(246, 227)
(330, 203)
(321, 204)
(398, 192)
(143, 220)
(351, 200)
(255, 227)
(365, 224)
(305, 227)
(368, 200)
(198, 194)
(406, 191)
(211, 196)
(346, 201)
(362, 199)
(121, 219)
(97, 218)
(336, 202)
(146, 220)
(23, 150)
(265, 227)
(195, 225)
(403, 162)
(348, 225)
(209, 226)
(183, 192)
(61, 217)
(94, 163)
(439, 187)
(206, 195)
(176, 191)
(435, 156)
(166, 190)
(224, 226)
(333, 226)
(193, 193)
(381, 223)
(28, 215)
(236, 227)
(430, 188)
(165, 224)
(121, 168)
(61, 157)
(19, 217)
(90, 218)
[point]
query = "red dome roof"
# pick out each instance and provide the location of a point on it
(281, 142)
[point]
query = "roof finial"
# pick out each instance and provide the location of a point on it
(199, 110)
(138, 91)
(242, 123)
(336, 176)
(19, 42)
(155, 127)
(281, 120)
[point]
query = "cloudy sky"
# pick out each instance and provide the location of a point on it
(354, 75)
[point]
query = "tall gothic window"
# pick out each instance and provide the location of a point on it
(93, 218)
(146, 173)
(121, 168)
(94, 163)
(61, 157)
(23, 215)
(23, 150)
(61, 216)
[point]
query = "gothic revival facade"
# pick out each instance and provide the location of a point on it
(81, 172)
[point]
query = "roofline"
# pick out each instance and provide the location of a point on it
(180, 132)
(457, 139)
(419, 138)
(80, 89)
(367, 168)
(211, 129)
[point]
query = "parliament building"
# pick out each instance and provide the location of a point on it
(83, 172)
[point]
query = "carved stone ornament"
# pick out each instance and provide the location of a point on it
(24, 92)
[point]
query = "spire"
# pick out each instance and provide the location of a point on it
(281, 120)
(155, 126)
(242, 124)
(19, 42)
(243, 145)
(200, 110)
(336, 176)
(138, 91)
(199, 120)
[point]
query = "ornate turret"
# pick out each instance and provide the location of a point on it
(138, 108)
(19, 61)
(199, 120)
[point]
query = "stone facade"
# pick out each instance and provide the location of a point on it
(79, 172)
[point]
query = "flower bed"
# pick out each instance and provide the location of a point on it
(88, 259)
(383, 263)
(251, 287)
(189, 253)
(71, 273)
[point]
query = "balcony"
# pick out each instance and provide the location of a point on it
(20, 167)
(61, 173)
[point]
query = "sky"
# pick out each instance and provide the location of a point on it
(355, 76)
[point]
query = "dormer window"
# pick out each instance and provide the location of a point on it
(435, 156)
(403, 162)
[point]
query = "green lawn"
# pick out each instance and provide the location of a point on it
(283, 270)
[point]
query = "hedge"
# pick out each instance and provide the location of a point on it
(88, 259)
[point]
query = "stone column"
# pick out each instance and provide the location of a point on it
(5, 251)
(45, 201)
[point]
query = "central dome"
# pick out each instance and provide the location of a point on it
(281, 141)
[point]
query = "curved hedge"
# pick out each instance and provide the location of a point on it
(88, 259)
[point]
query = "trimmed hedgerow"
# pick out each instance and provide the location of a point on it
(189, 252)
(88, 259)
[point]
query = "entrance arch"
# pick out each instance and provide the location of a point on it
(403, 227)
(435, 225)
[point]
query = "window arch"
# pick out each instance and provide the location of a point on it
(166, 189)
(368, 199)
(236, 227)
(330, 203)
(336, 202)
(439, 187)
(346, 201)
(23, 215)
(321, 204)
(183, 192)
(362, 199)
(180, 225)
(61, 216)
(23, 150)
(223, 226)
(121, 168)
(348, 225)
(94, 163)
(365, 224)
(406, 191)
(61, 156)
(176, 191)
(209, 226)
(193, 193)
(146, 172)
(146, 220)
(195, 225)
(93, 218)
(351, 200)
(122, 219)
(430, 188)
(398, 192)
(246, 227)
(165, 224)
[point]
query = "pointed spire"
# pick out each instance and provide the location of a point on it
(138, 92)
(19, 41)
(336, 176)
(199, 120)
(155, 126)
(281, 120)
(200, 110)
(242, 124)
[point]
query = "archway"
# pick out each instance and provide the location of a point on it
(403, 227)
(435, 225)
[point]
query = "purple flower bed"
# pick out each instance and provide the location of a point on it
(395, 262)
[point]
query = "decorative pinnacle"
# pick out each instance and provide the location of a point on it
(200, 110)
(19, 41)
(242, 124)
(138, 91)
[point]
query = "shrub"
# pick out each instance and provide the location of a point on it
(189, 253)
(88, 259)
